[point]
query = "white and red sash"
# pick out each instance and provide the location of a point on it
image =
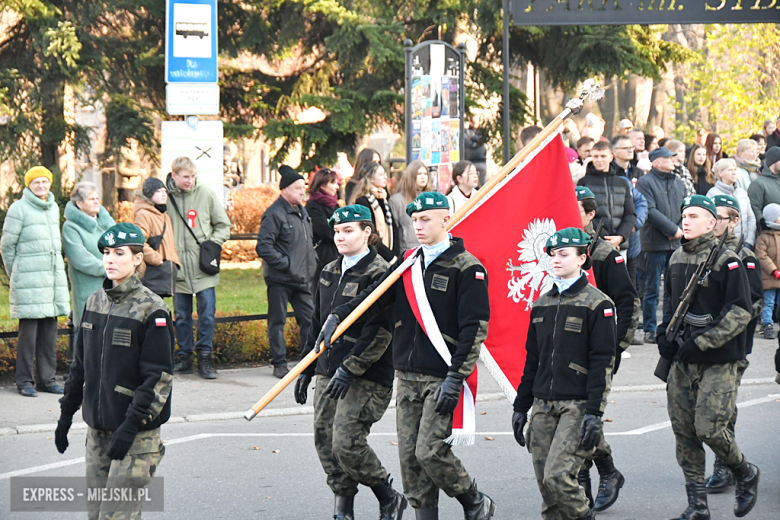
(464, 416)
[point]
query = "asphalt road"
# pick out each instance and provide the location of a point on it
(268, 468)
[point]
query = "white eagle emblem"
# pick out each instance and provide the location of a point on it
(336, 217)
(110, 239)
(535, 269)
(418, 204)
(687, 200)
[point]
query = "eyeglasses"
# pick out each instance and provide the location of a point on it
(721, 219)
(626, 148)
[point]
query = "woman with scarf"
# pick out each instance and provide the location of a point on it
(700, 166)
(323, 201)
(725, 172)
(415, 180)
(371, 192)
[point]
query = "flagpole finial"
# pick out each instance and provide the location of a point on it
(591, 91)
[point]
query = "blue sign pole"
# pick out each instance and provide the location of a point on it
(191, 41)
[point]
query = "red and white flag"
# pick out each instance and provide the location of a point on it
(507, 232)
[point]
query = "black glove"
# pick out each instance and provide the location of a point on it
(123, 438)
(61, 433)
(518, 422)
(617, 361)
(592, 430)
(666, 348)
(688, 351)
(448, 393)
(777, 360)
(328, 328)
(339, 385)
(302, 388)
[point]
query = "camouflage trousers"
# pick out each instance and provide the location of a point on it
(701, 400)
(341, 428)
(139, 464)
(741, 367)
(554, 434)
(427, 462)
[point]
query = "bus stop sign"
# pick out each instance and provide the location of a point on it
(191, 41)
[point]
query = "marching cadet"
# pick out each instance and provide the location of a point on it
(441, 313)
(122, 372)
(570, 353)
(609, 269)
(728, 219)
(702, 385)
(355, 380)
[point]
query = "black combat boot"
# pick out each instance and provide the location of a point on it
(721, 478)
(342, 508)
(610, 482)
(205, 368)
(590, 515)
(476, 505)
(697, 503)
(391, 502)
(183, 364)
(583, 478)
(429, 513)
(746, 492)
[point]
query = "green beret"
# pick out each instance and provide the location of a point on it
(700, 201)
(353, 213)
(726, 201)
(122, 234)
(569, 237)
(583, 192)
(426, 201)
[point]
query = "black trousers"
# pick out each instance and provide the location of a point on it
(36, 347)
(303, 306)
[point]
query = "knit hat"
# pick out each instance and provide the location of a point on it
(659, 153)
(771, 213)
(426, 201)
(583, 192)
(700, 201)
(727, 201)
(352, 213)
(38, 171)
(122, 234)
(772, 156)
(571, 155)
(151, 185)
(288, 175)
(569, 237)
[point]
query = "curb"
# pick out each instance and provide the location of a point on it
(308, 410)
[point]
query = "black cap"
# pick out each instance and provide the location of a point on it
(288, 176)
(151, 185)
(772, 156)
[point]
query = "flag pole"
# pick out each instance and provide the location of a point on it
(591, 91)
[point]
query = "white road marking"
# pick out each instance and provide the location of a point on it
(200, 436)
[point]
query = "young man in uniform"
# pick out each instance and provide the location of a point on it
(355, 376)
(609, 269)
(449, 294)
(568, 371)
(728, 219)
(701, 389)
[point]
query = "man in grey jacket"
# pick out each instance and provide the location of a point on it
(661, 233)
(289, 262)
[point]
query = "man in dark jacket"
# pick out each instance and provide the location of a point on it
(766, 189)
(289, 262)
(475, 151)
(773, 139)
(661, 233)
(613, 196)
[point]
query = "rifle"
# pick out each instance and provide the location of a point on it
(674, 330)
(596, 237)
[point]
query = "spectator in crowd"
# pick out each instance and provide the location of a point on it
(613, 196)
(773, 139)
(701, 136)
(725, 173)
(700, 167)
(150, 214)
(766, 189)
(371, 193)
(623, 151)
(768, 254)
(640, 159)
(289, 263)
(415, 180)
(658, 133)
(767, 128)
(678, 149)
(527, 135)
(651, 142)
(714, 145)
(584, 146)
(625, 127)
(761, 143)
(661, 233)
(474, 148)
(366, 155)
(198, 216)
(464, 184)
(323, 201)
(32, 255)
(85, 221)
(748, 163)
(129, 173)
(576, 169)
(231, 171)
(663, 141)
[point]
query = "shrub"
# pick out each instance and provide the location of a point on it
(248, 208)
(124, 212)
(8, 351)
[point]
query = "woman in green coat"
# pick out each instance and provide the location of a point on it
(32, 255)
(85, 221)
